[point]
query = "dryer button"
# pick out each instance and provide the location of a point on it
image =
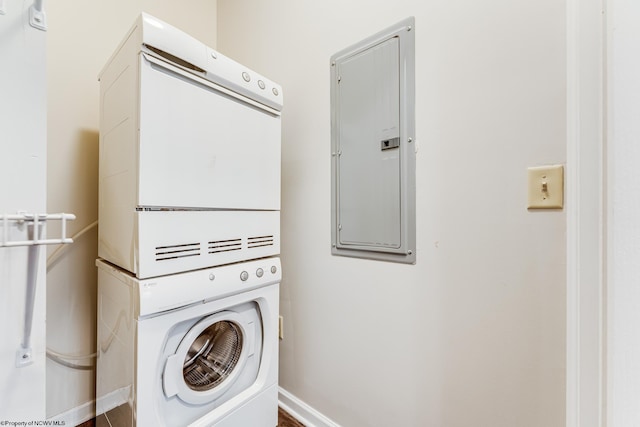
(244, 276)
(212, 277)
(246, 77)
(274, 269)
(259, 272)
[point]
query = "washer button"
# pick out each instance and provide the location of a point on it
(246, 76)
(244, 276)
(261, 84)
(259, 272)
(212, 277)
(275, 91)
(274, 269)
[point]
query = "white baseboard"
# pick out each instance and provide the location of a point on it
(301, 411)
(298, 409)
(77, 415)
(87, 411)
(113, 399)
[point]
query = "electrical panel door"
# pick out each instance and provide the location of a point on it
(368, 160)
(373, 159)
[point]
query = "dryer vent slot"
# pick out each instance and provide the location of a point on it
(259, 241)
(164, 253)
(225, 245)
(172, 58)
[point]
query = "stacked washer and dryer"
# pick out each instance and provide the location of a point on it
(189, 237)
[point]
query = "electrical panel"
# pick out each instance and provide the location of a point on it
(373, 154)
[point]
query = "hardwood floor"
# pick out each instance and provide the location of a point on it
(284, 420)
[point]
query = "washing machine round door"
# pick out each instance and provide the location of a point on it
(209, 358)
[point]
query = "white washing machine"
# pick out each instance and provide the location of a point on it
(170, 355)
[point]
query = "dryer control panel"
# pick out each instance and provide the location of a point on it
(165, 293)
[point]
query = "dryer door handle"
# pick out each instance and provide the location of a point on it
(170, 378)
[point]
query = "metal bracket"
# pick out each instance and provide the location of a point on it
(23, 217)
(37, 17)
(34, 224)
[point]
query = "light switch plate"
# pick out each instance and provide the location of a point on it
(546, 187)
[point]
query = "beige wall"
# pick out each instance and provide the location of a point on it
(474, 333)
(81, 37)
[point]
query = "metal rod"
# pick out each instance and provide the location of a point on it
(30, 216)
(36, 230)
(32, 281)
(63, 234)
(16, 243)
(5, 230)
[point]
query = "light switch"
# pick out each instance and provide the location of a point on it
(546, 187)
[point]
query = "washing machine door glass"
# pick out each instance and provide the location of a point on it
(213, 356)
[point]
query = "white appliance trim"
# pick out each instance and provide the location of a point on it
(303, 412)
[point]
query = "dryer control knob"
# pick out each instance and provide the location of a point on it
(259, 272)
(274, 269)
(244, 276)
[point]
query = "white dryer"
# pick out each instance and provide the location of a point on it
(170, 355)
(189, 155)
